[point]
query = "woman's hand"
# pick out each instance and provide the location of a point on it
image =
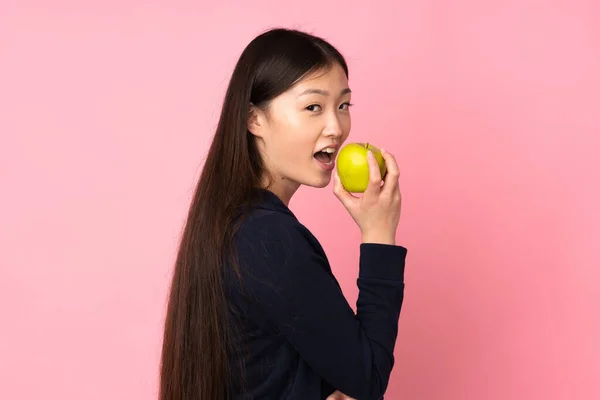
(377, 212)
(337, 395)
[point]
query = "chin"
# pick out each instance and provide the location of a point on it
(321, 182)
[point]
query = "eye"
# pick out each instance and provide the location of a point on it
(313, 107)
(346, 106)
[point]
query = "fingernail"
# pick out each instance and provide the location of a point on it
(370, 154)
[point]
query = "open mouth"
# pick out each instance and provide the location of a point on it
(326, 156)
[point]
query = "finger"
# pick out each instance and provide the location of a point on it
(345, 197)
(374, 186)
(337, 395)
(393, 173)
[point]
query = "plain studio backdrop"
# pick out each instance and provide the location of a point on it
(491, 107)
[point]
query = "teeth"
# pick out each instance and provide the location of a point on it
(328, 150)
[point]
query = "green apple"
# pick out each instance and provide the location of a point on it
(353, 168)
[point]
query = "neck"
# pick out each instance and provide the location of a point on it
(282, 188)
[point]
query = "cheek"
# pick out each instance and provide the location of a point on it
(292, 144)
(294, 134)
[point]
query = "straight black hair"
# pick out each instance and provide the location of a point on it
(195, 360)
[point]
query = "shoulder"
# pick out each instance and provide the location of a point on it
(271, 225)
(272, 238)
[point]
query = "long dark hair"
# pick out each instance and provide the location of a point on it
(195, 361)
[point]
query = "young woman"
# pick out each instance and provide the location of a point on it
(254, 309)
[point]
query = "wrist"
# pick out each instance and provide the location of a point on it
(379, 238)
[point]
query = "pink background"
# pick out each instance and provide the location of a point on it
(491, 107)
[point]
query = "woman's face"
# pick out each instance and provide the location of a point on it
(311, 116)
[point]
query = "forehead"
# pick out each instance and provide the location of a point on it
(333, 78)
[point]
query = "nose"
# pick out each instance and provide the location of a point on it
(334, 127)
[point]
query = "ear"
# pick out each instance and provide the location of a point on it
(255, 121)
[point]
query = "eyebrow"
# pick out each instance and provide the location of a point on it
(322, 92)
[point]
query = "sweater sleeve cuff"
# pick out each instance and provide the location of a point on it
(382, 261)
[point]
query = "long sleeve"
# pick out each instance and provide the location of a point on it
(290, 283)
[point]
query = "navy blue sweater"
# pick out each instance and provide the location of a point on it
(298, 336)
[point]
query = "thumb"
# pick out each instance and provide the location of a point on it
(345, 197)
